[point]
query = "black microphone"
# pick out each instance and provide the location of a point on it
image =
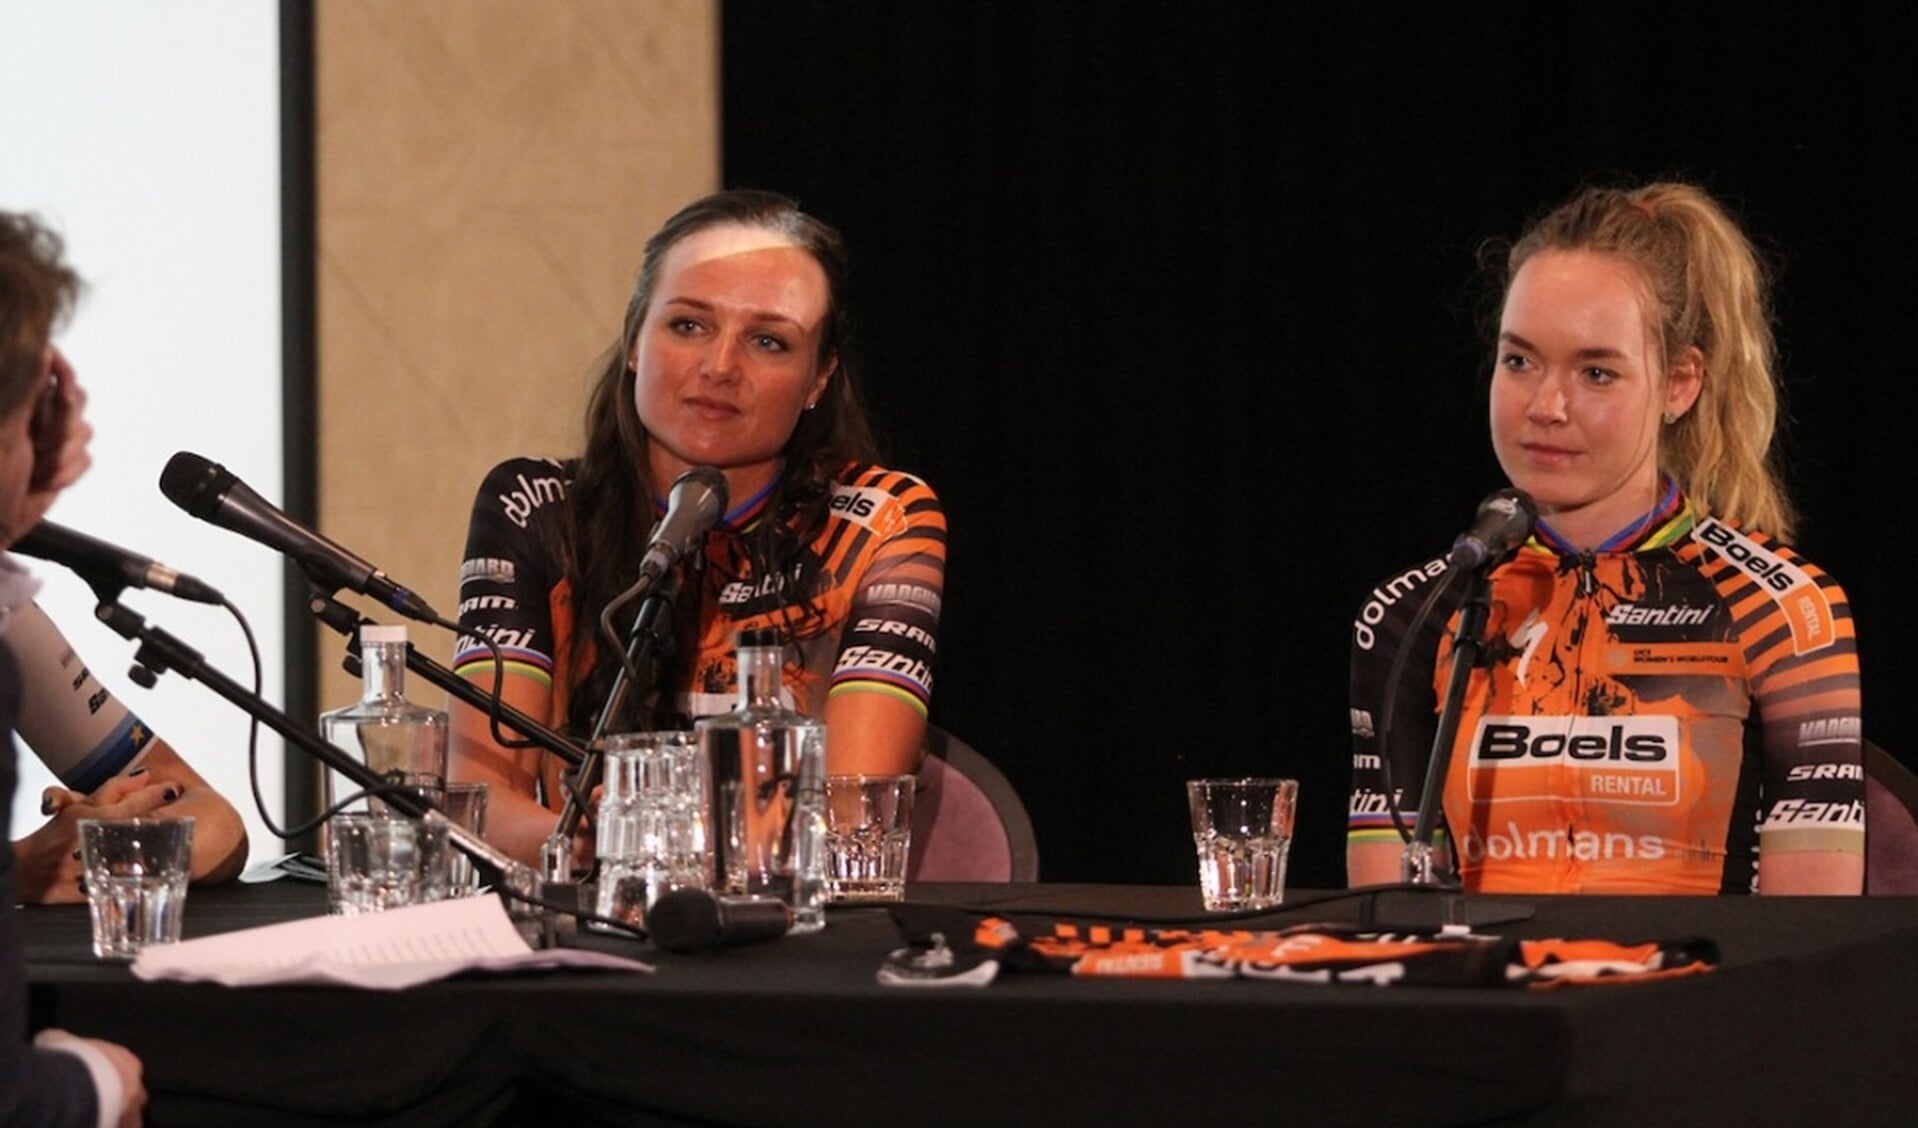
(693, 920)
(210, 492)
(1504, 520)
(694, 505)
(98, 562)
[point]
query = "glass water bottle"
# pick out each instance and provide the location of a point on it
(404, 742)
(767, 765)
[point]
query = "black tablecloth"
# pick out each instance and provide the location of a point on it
(1802, 1023)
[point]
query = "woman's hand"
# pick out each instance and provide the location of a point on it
(49, 859)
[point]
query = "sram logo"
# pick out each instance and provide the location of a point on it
(1800, 773)
(1628, 760)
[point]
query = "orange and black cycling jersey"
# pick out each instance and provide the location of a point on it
(1644, 718)
(876, 573)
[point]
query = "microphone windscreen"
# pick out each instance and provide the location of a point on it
(684, 920)
(192, 483)
(693, 920)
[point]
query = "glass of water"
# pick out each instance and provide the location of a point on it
(650, 822)
(136, 874)
(465, 805)
(1242, 829)
(868, 836)
(379, 862)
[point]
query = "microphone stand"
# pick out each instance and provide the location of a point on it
(347, 622)
(650, 634)
(1419, 868)
(159, 652)
(554, 923)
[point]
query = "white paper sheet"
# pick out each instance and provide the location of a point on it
(380, 951)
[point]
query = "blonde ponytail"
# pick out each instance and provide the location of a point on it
(1706, 288)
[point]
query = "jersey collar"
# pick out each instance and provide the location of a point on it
(742, 516)
(1668, 521)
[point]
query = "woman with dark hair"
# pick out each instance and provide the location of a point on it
(1667, 698)
(733, 356)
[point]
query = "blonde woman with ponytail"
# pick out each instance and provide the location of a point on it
(1667, 698)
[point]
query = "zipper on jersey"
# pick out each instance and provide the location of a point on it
(1571, 808)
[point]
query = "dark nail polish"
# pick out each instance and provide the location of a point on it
(135, 772)
(170, 794)
(76, 855)
(46, 804)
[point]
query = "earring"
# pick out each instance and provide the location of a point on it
(1669, 418)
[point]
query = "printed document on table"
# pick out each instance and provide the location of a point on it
(381, 951)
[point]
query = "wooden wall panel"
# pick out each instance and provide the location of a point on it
(487, 173)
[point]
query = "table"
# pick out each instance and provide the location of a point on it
(1803, 1023)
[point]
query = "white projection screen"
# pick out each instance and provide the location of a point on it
(148, 135)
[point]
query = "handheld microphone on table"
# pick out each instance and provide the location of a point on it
(693, 506)
(104, 565)
(1504, 520)
(210, 492)
(693, 920)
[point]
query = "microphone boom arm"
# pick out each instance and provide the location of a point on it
(645, 637)
(347, 622)
(159, 652)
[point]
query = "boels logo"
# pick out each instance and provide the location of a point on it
(874, 508)
(1630, 760)
(1804, 604)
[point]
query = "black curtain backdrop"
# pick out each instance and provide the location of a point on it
(1179, 309)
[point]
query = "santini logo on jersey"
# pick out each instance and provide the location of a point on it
(1797, 814)
(870, 661)
(1650, 615)
(1631, 760)
(1368, 802)
(758, 596)
(508, 638)
(1804, 604)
